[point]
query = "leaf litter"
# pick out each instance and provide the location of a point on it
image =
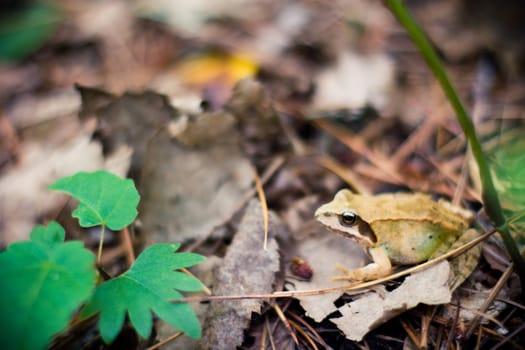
(246, 268)
(381, 124)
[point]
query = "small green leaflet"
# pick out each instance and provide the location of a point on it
(24, 29)
(43, 281)
(105, 199)
(148, 286)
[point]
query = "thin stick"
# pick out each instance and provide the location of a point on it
(411, 334)
(165, 341)
(304, 334)
(264, 205)
(286, 323)
(490, 299)
(126, 241)
(347, 287)
(305, 324)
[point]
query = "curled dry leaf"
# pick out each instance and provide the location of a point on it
(247, 269)
(374, 308)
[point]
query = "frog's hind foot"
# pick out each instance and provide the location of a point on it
(463, 266)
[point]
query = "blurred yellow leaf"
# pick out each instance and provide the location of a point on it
(213, 66)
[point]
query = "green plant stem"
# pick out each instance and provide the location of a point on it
(101, 243)
(489, 193)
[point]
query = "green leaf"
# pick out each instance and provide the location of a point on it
(105, 199)
(508, 165)
(147, 287)
(24, 30)
(43, 281)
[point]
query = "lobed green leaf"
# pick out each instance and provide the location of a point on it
(105, 199)
(43, 281)
(147, 287)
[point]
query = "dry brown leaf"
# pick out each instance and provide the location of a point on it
(187, 192)
(131, 119)
(247, 269)
(374, 308)
(258, 121)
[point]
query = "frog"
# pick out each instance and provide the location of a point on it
(400, 228)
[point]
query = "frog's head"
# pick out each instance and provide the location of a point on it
(341, 217)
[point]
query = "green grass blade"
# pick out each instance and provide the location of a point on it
(489, 193)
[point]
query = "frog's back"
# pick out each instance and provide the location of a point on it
(408, 207)
(408, 242)
(411, 226)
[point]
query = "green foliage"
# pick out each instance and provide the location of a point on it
(43, 281)
(24, 30)
(489, 194)
(508, 165)
(105, 199)
(148, 286)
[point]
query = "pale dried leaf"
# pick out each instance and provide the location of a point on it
(190, 16)
(354, 82)
(24, 193)
(375, 308)
(30, 110)
(323, 252)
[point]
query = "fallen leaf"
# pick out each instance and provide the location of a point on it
(260, 128)
(188, 191)
(191, 16)
(372, 307)
(355, 81)
(375, 308)
(471, 303)
(128, 120)
(247, 269)
(323, 251)
(24, 194)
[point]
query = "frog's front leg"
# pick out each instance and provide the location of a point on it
(380, 267)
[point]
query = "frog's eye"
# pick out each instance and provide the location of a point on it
(348, 218)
